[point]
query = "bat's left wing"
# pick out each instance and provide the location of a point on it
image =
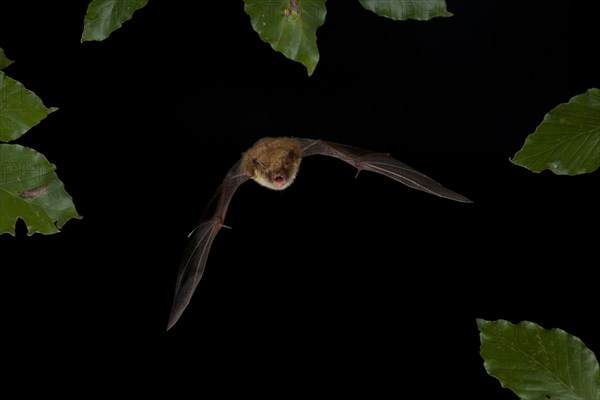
(381, 163)
(201, 239)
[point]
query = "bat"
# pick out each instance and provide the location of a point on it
(274, 164)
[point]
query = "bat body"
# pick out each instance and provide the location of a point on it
(274, 163)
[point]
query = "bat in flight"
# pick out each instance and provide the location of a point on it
(274, 163)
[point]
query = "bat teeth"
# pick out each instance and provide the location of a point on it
(279, 180)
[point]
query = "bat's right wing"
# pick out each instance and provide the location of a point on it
(201, 239)
(382, 164)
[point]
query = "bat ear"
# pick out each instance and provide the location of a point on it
(257, 163)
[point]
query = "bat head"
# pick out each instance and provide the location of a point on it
(273, 162)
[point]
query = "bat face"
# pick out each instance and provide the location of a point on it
(273, 163)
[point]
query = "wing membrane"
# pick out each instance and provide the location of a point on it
(380, 163)
(196, 253)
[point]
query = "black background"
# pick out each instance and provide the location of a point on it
(336, 285)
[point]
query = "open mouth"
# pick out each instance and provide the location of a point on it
(279, 180)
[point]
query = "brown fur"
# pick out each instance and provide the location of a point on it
(272, 157)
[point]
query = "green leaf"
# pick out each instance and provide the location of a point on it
(20, 109)
(289, 26)
(30, 190)
(407, 9)
(567, 142)
(105, 16)
(4, 61)
(539, 364)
